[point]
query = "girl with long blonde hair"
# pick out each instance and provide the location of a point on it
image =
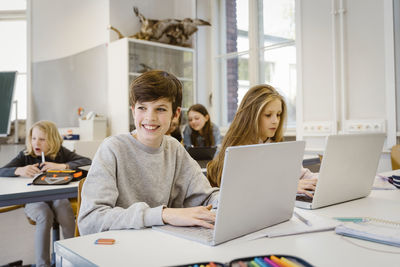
(260, 118)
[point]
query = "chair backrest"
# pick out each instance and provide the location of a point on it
(395, 157)
(79, 206)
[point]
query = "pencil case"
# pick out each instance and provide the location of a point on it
(395, 180)
(256, 261)
(58, 177)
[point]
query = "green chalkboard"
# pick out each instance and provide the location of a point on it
(7, 85)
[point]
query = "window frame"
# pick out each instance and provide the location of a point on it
(20, 15)
(220, 109)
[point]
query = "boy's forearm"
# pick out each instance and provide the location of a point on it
(137, 216)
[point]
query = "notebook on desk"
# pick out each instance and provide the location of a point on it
(347, 171)
(258, 188)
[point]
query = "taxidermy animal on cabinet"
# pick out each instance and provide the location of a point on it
(169, 31)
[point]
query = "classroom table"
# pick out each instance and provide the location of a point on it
(149, 247)
(19, 190)
(16, 191)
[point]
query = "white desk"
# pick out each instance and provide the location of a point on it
(15, 191)
(152, 248)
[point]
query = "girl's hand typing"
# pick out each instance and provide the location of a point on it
(196, 216)
(306, 185)
(53, 166)
(28, 170)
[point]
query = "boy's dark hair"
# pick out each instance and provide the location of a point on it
(155, 84)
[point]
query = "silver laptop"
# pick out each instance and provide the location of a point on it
(347, 170)
(258, 189)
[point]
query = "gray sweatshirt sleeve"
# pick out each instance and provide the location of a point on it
(99, 211)
(199, 191)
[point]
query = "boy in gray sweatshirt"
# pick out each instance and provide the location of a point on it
(146, 178)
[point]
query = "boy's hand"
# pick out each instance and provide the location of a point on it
(305, 185)
(196, 216)
(52, 166)
(28, 170)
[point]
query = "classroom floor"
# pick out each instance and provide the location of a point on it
(17, 235)
(17, 238)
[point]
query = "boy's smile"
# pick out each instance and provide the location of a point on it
(152, 121)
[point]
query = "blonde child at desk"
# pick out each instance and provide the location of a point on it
(44, 152)
(145, 177)
(260, 118)
(200, 131)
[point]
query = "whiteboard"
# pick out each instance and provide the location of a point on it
(7, 88)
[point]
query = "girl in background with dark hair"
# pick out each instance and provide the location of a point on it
(200, 131)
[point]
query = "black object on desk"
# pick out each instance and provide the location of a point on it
(202, 152)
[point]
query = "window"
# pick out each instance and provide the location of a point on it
(13, 48)
(258, 46)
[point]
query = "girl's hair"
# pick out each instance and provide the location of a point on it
(53, 138)
(156, 84)
(244, 128)
(207, 128)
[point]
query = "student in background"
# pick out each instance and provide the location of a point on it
(260, 118)
(44, 137)
(200, 131)
(175, 129)
(145, 177)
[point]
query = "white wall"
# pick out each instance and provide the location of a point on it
(64, 28)
(364, 94)
(204, 52)
(364, 60)
(124, 19)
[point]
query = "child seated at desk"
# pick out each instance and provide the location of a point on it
(44, 152)
(260, 118)
(145, 177)
(175, 129)
(200, 131)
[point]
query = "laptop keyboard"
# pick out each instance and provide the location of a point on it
(195, 233)
(304, 198)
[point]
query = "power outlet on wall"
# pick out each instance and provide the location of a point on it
(317, 128)
(360, 126)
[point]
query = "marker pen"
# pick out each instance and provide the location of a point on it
(42, 157)
(289, 263)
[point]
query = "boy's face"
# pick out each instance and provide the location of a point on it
(152, 120)
(270, 118)
(39, 141)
